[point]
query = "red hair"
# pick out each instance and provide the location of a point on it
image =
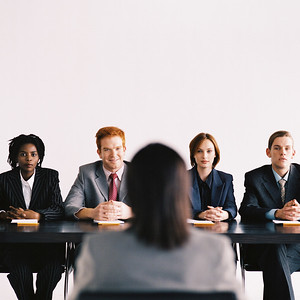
(109, 131)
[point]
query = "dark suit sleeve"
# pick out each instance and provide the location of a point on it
(229, 204)
(51, 194)
(10, 190)
(3, 201)
(251, 206)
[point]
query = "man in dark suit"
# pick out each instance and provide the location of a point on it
(99, 191)
(272, 192)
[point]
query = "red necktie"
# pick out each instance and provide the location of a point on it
(113, 191)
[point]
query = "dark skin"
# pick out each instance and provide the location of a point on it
(27, 159)
(19, 213)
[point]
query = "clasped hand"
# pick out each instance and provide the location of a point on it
(111, 210)
(19, 213)
(290, 211)
(215, 214)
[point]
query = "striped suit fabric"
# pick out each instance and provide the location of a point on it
(21, 259)
(46, 197)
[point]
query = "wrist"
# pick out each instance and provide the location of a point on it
(226, 215)
(3, 214)
(201, 215)
(85, 213)
(38, 216)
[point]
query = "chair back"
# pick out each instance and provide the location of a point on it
(180, 295)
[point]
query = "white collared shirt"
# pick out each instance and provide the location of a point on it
(27, 188)
(118, 179)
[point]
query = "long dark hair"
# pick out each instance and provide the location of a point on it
(158, 186)
(17, 142)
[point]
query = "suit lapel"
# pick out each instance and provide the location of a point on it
(16, 189)
(270, 185)
(216, 189)
(293, 184)
(195, 192)
(123, 185)
(100, 180)
(36, 188)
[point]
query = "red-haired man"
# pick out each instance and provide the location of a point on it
(99, 191)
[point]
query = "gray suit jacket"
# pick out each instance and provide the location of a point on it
(90, 188)
(118, 261)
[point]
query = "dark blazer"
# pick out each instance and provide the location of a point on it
(46, 197)
(90, 188)
(221, 192)
(262, 192)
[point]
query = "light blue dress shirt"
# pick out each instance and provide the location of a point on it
(271, 213)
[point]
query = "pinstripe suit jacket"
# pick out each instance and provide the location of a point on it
(46, 197)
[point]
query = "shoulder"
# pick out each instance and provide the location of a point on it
(295, 166)
(126, 166)
(47, 171)
(193, 171)
(126, 163)
(209, 240)
(259, 171)
(224, 176)
(8, 174)
(46, 174)
(91, 166)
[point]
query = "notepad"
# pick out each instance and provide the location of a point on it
(200, 222)
(116, 222)
(287, 223)
(25, 221)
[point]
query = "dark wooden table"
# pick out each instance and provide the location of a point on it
(73, 231)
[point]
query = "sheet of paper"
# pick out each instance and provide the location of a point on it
(203, 222)
(286, 222)
(24, 221)
(116, 222)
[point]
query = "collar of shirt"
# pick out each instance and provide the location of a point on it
(27, 188)
(278, 177)
(208, 181)
(119, 173)
(29, 182)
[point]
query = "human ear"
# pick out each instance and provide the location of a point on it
(294, 153)
(268, 152)
(99, 153)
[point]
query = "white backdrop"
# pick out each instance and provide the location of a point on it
(162, 70)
